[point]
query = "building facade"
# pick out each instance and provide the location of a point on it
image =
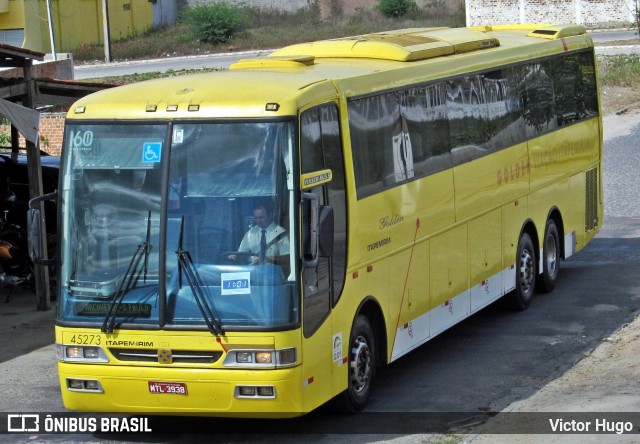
(24, 23)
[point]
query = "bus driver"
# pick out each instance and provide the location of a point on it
(267, 241)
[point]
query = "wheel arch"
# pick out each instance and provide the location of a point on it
(370, 307)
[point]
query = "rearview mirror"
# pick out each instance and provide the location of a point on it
(317, 229)
(34, 228)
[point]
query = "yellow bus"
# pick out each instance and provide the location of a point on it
(257, 241)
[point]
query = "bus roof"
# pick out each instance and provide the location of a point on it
(299, 75)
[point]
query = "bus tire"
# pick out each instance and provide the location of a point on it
(526, 272)
(362, 366)
(550, 259)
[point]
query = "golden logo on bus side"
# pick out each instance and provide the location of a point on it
(513, 171)
(542, 159)
(316, 178)
(389, 221)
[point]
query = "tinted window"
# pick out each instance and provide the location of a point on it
(420, 130)
(424, 115)
(539, 99)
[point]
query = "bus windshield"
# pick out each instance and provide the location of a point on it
(178, 225)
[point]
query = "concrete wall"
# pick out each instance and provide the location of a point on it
(328, 8)
(62, 69)
(278, 5)
(591, 13)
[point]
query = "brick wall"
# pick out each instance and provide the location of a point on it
(51, 132)
(591, 13)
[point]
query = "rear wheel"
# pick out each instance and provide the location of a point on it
(521, 297)
(362, 366)
(550, 259)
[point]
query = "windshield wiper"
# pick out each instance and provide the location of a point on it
(129, 279)
(148, 247)
(186, 267)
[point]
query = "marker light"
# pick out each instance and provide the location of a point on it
(286, 356)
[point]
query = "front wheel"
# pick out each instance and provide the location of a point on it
(550, 259)
(525, 274)
(362, 366)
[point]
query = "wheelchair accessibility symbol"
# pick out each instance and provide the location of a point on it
(151, 152)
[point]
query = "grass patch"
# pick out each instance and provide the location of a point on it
(140, 77)
(619, 70)
(268, 29)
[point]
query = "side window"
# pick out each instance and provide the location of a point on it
(468, 114)
(559, 92)
(425, 121)
(568, 88)
(381, 147)
(539, 100)
(588, 71)
(504, 126)
(312, 157)
(337, 197)
(321, 148)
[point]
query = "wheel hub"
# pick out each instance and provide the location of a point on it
(551, 258)
(527, 277)
(361, 364)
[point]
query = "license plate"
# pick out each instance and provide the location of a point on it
(167, 388)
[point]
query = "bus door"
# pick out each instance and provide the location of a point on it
(324, 260)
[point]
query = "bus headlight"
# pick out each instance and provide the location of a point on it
(285, 357)
(80, 353)
(264, 358)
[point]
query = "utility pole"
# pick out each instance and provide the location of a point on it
(51, 36)
(106, 32)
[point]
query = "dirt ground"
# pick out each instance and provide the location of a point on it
(619, 100)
